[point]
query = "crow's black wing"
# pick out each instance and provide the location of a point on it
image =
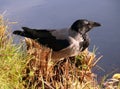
(44, 37)
(34, 33)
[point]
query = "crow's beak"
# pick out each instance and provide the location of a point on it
(96, 24)
(93, 24)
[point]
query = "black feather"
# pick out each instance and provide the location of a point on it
(18, 33)
(85, 43)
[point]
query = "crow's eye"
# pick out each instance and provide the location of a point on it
(86, 22)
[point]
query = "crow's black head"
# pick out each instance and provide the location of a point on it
(82, 26)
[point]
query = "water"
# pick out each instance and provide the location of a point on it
(62, 13)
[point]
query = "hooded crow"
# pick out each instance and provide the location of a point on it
(64, 42)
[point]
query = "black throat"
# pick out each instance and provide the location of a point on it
(85, 43)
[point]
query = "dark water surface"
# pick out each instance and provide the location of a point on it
(62, 13)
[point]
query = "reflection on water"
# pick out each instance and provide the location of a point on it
(61, 14)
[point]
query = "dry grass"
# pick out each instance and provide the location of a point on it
(12, 59)
(70, 73)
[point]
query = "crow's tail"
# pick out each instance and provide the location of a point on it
(18, 32)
